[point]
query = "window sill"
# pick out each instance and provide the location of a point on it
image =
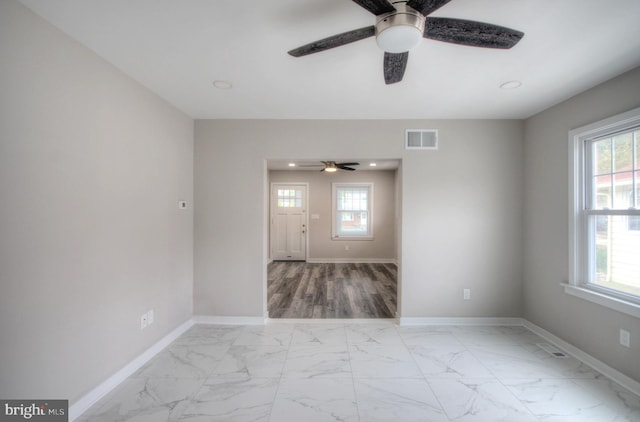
(610, 302)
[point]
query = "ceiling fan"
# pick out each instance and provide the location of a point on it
(332, 166)
(401, 25)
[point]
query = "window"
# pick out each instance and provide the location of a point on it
(352, 211)
(605, 212)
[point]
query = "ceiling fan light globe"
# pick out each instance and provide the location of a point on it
(399, 38)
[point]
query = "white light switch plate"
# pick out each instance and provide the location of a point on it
(625, 338)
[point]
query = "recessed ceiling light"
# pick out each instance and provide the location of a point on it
(372, 164)
(292, 164)
(220, 84)
(511, 85)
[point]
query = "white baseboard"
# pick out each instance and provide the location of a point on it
(352, 261)
(611, 373)
(406, 321)
(229, 320)
(89, 399)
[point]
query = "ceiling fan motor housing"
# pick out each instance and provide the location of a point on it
(401, 30)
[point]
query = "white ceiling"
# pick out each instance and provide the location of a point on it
(177, 48)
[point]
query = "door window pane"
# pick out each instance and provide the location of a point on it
(289, 198)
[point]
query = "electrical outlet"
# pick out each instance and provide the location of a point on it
(346, 247)
(150, 317)
(466, 294)
(625, 338)
(143, 321)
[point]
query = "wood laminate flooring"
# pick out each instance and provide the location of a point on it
(305, 290)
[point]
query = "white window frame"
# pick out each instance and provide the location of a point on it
(334, 211)
(579, 243)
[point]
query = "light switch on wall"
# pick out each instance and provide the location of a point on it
(625, 338)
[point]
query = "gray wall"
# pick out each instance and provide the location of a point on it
(461, 209)
(591, 327)
(321, 245)
(92, 166)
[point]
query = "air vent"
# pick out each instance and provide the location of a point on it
(421, 139)
(552, 350)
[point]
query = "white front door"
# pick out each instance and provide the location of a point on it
(288, 222)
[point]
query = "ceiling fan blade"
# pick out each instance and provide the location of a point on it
(394, 66)
(334, 41)
(471, 33)
(377, 7)
(426, 7)
(346, 168)
(347, 164)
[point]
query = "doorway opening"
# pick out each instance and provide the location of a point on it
(311, 270)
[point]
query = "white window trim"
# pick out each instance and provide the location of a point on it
(577, 285)
(334, 206)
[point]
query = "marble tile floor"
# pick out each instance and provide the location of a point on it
(372, 371)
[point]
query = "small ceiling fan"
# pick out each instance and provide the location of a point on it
(401, 25)
(332, 166)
